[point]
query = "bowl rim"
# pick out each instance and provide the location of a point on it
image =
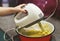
(37, 37)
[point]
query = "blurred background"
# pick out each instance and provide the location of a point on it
(55, 19)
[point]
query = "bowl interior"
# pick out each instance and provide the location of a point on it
(36, 32)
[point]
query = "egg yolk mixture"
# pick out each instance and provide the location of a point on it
(36, 30)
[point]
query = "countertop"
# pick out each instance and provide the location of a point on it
(56, 22)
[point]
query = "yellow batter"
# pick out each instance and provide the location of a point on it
(36, 31)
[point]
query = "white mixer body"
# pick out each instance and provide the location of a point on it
(34, 13)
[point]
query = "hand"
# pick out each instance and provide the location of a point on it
(19, 8)
(11, 10)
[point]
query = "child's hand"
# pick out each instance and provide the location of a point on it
(19, 8)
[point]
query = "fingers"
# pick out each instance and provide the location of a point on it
(19, 8)
(21, 5)
(22, 10)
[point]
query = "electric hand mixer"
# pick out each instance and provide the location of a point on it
(34, 15)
